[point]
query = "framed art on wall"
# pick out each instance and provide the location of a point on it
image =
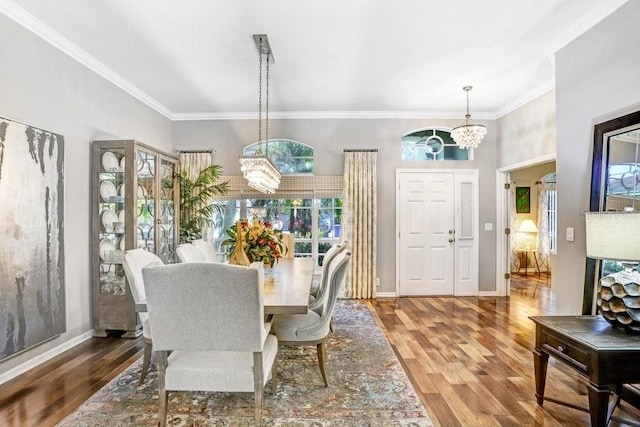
(523, 199)
(32, 294)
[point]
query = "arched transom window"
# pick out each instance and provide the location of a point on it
(431, 144)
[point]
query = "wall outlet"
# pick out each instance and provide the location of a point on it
(488, 226)
(377, 282)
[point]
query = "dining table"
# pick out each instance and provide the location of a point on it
(286, 287)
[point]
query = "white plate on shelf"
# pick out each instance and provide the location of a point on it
(110, 162)
(122, 163)
(107, 249)
(107, 190)
(121, 190)
(121, 215)
(108, 218)
(122, 244)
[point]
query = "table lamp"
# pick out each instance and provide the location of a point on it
(528, 227)
(615, 236)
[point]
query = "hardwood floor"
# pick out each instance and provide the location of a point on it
(469, 360)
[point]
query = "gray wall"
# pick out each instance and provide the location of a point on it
(528, 132)
(43, 87)
(597, 78)
(329, 137)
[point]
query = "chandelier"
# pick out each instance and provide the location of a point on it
(257, 169)
(470, 134)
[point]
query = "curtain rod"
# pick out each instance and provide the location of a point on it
(353, 150)
(197, 151)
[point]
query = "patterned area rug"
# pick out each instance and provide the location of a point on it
(367, 387)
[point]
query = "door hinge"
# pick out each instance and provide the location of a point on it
(507, 186)
(507, 276)
(507, 231)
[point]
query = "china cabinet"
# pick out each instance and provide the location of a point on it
(134, 205)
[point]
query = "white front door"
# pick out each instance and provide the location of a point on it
(434, 207)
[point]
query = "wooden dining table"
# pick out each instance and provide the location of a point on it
(286, 287)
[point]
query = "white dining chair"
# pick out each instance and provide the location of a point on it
(208, 330)
(187, 252)
(312, 328)
(207, 250)
(319, 284)
(133, 263)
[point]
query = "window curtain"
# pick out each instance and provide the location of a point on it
(360, 221)
(543, 221)
(513, 240)
(193, 162)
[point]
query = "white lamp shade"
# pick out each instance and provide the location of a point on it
(527, 226)
(613, 235)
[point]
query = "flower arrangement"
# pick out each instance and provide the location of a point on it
(261, 241)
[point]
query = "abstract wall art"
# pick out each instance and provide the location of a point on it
(32, 295)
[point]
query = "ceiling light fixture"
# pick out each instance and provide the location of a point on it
(258, 169)
(470, 134)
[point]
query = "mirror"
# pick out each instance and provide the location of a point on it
(615, 185)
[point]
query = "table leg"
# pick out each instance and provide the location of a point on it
(598, 404)
(535, 258)
(540, 361)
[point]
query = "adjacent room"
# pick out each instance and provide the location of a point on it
(319, 213)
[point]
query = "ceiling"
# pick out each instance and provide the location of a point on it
(333, 58)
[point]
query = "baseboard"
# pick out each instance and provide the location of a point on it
(386, 295)
(487, 294)
(32, 363)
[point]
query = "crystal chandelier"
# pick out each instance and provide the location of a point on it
(258, 169)
(470, 134)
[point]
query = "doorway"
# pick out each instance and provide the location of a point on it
(523, 251)
(437, 232)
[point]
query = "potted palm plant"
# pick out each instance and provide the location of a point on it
(196, 209)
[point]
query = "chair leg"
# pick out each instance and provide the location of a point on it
(162, 391)
(148, 346)
(258, 384)
(322, 357)
(274, 375)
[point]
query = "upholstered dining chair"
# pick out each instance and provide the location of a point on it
(222, 344)
(134, 261)
(319, 285)
(207, 250)
(312, 328)
(187, 252)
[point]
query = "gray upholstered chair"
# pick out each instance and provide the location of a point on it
(134, 261)
(208, 330)
(187, 252)
(318, 287)
(207, 250)
(312, 328)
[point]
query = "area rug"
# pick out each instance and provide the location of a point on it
(367, 387)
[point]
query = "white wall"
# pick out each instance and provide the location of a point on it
(597, 78)
(329, 137)
(42, 87)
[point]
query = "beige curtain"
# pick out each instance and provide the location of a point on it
(360, 221)
(195, 161)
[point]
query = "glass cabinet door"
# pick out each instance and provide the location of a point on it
(166, 212)
(111, 206)
(145, 196)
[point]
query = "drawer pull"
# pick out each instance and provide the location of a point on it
(561, 349)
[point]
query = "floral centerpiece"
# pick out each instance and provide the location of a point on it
(261, 241)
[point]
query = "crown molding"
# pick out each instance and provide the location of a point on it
(582, 25)
(40, 29)
(527, 97)
(286, 115)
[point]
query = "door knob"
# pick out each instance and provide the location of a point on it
(451, 239)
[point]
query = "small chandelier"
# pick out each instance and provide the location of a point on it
(258, 169)
(470, 134)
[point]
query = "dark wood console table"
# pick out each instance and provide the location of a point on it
(607, 357)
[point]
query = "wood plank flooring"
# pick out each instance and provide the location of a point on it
(469, 360)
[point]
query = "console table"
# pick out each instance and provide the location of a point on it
(591, 346)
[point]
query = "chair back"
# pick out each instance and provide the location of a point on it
(207, 250)
(134, 261)
(189, 253)
(329, 256)
(335, 279)
(206, 306)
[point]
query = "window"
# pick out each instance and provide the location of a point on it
(552, 215)
(314, 223)
(290, 157)
(431, 144)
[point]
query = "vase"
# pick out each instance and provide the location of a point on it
(239, 257)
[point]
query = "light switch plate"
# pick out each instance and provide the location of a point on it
(488, 226)
(569, 234)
